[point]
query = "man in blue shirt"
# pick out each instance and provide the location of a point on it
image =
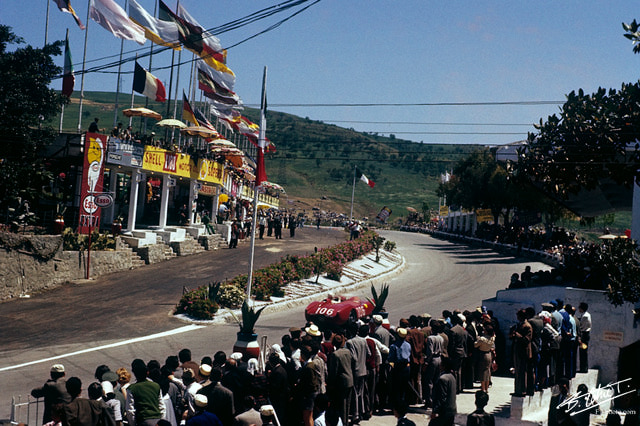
(399, 356)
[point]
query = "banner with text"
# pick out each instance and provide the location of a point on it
(182, 165)
(384, 214)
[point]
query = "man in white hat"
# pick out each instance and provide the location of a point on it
(53, 391)
(268, 415)
(202, 417)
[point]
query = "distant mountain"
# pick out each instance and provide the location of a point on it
(315, 161)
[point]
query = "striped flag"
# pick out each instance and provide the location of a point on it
(187, 111)
(160, 32)
(212, 89)
(367, 180)
(65, 6)
(146, 83)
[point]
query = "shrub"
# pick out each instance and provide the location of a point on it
(334, 270)
(196, 304)
(389, 245)
(230, 296)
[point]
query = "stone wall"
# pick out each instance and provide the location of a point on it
(29, 264)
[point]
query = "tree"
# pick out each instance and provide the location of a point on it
(594, 138)
(26, 105)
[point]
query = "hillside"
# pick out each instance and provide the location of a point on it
(315, 161)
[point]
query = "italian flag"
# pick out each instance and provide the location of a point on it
(367, 180)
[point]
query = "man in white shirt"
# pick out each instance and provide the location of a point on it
(584, 336)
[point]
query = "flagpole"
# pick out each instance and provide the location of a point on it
(146, 100)
(254, 220)
(353, 190)
(132, 98)
(84, 61)
(46, 25)
(115, 110)
(66, 47)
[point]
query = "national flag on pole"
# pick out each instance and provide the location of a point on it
(197, 40)
(160, 32)
(146, 83)
(212, 89)
(224, 114)
(202, 121)
(68, 78)
(65, 6)
(114, 19)
(187, 111)
(210, 44)
(367, 180)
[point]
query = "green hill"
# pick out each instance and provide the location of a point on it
(315, 161)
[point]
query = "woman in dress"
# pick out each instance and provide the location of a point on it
(486, 345)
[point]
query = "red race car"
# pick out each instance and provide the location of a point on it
(338, 310)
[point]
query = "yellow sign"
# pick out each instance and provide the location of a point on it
(178, 164)
(444, 211)
(484, 215)
(210, 171)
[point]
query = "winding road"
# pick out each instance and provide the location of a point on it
(126, 315)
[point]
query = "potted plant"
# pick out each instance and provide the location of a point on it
(247, 339)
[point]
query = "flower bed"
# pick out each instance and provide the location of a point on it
(270, 281)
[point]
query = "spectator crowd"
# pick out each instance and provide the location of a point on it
(312, 377)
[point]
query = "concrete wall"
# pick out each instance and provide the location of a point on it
(36, 263)
(612, 327)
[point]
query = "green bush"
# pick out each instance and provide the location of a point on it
(79, 242)
(197, 304)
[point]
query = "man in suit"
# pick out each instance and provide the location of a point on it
(220, 399)
(82, 411)
(457, 349)
(278, 387)
(340, 378)
(444, 397)
(359, 349)
(522, 336)
(53, 391)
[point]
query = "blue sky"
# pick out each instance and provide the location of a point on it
(393, 52)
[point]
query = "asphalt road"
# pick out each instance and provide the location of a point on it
(104, 322)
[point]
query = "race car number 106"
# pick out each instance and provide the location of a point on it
(325, 311)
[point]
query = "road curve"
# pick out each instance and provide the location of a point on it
(78, 320)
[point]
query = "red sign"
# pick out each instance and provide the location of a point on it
(92, 174)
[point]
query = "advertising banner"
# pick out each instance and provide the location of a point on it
(444, 211)
(178, 164)
(384, 214)
(91, 186)
(210, 171)
(124, 153)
